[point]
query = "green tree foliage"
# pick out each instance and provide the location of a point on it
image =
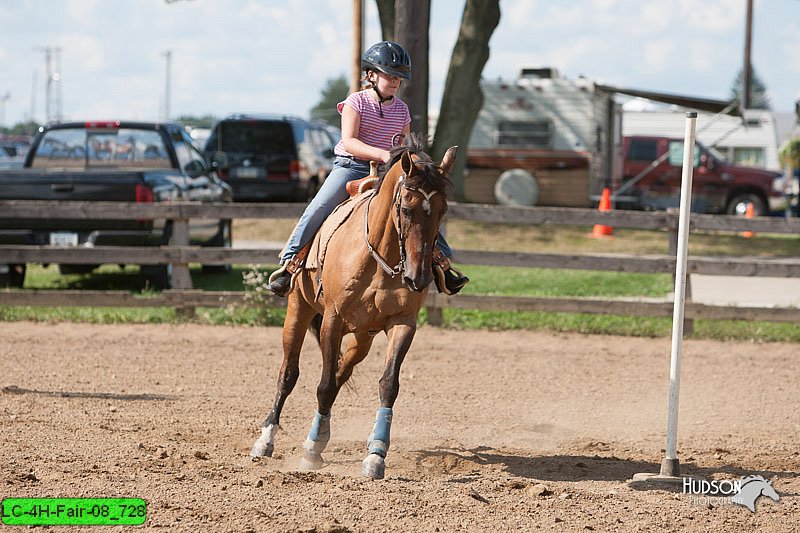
(759, 99)
(206, 121)
(334, 92)
(22, 128)
(790, 153)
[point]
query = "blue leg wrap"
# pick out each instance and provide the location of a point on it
(320, 428)
(379, 440)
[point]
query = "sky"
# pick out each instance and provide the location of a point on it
(231, 56)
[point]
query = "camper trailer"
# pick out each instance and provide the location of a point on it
(561, 136)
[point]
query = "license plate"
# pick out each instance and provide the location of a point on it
(248, 172)
(63, 239)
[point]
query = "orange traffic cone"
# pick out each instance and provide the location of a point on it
(748, 213)
(599, 230)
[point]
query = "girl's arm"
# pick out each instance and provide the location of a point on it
(350, 124)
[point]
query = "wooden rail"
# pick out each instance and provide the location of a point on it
(180, 255)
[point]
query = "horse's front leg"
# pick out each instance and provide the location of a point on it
(400, 336)
(330, 341)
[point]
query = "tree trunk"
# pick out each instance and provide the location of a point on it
(386, 16)
(462, 99)
(411, 31)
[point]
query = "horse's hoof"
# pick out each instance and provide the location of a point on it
(373, 466)
(265, 443)
(311, 461)
(262, 450)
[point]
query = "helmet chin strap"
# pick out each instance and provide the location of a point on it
(381, 98)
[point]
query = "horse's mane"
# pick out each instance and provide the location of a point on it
(429, 172)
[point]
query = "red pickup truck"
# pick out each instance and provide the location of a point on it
(652, 180)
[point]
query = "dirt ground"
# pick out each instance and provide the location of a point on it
(493, 431)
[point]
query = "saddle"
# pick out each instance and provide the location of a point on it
(356, 187)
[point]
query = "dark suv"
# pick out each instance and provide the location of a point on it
(271, 157)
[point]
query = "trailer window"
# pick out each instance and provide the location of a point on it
(523, 134)
(749, 157)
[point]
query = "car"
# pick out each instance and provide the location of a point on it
(12, 154)
(271, 157)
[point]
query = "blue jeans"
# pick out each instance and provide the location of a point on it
(331, 194)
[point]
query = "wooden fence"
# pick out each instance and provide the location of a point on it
(179, 254)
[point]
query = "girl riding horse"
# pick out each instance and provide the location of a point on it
(373, 120)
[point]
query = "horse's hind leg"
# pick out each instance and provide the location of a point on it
(356, 351)
(400, 341)
(298, 316)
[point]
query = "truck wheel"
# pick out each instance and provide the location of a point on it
(224, 239)
(738, 204)
(14, 277)
(158, 276)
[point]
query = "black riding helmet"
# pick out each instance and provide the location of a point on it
(389, 58)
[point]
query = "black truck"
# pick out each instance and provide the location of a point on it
(113, 161)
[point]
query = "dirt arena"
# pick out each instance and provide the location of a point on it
(493, 431)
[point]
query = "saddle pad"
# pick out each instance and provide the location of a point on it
(316, 256)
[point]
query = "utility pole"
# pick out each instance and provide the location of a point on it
(168, 55)
(358, 44)
(3, 100)
(50, 78)
(32, 117)
(57, 79)
(748, 34)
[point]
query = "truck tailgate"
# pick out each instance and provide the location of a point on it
(65, 185)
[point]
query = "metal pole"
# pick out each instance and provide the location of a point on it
(748, 33)
(358, 44)
(670, 465)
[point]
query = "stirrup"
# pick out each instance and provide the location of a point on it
(440, 276)
(441, 267)
(290, 268)
(280, 281)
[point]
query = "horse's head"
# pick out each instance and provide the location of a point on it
(420, 202)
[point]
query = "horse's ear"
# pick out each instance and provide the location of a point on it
(407, 164)
(448, 160)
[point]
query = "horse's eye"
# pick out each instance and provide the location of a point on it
(407, 212)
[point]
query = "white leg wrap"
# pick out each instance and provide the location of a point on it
(265, 444)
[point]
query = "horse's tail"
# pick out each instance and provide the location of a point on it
(314, 327)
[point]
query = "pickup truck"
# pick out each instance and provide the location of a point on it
(652, 168)
(112, 161)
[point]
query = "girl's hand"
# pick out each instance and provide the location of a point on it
(385, 156)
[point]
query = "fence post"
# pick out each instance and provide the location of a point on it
(435, 310)
(181, 278)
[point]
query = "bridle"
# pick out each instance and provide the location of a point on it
(398, 205)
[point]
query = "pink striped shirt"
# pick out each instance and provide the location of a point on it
(373, 129)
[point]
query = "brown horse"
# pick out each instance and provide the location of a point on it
(362, 294)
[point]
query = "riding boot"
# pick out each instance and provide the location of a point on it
(280, 281)
(449, 279)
